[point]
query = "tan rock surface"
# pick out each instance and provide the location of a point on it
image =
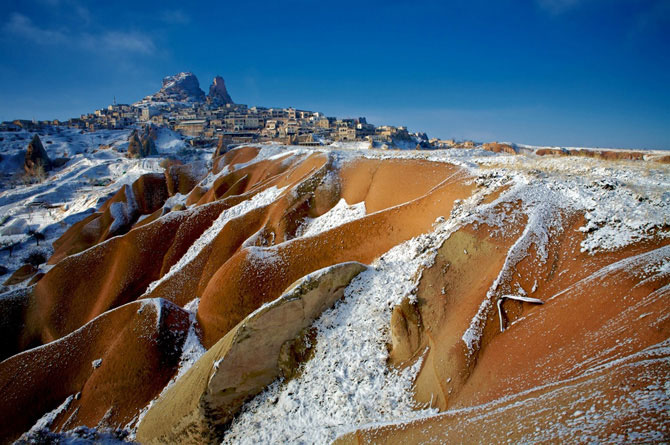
(242, 363)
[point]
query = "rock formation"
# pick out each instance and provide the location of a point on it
(261, 261)
(106, 371)
(497, 147)
(221, 146)
(218, 94)
(37, 160)
(144, 145)
(250, 357)
(182, 87)
(134, 145)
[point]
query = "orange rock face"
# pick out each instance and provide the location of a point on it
(178, 258)
(610, 155)
(112, 367)
(496, 147)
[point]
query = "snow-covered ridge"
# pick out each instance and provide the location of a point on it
(262, 198)
(97, 168)
(340, 214)
(622, 201)
(348, 381)
(340, 386)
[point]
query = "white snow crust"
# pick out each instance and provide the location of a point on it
(347, 382)
(340, 214)
(261, 199)
(97, 168)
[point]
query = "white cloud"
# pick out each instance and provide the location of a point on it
(21, 26)
(126, 42)
(83, 13)
(133, 42)
(175, 17)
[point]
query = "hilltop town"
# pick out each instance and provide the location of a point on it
(182, 106)
(169, 276)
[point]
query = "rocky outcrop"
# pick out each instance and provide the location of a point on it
(141, 146)
(552, 152)
(182, 87)
(610, 155)
(148, 147)
(248, 358)
(221, 146)
(182, 178)
(497, 147)
(115, 217)
(37, 160)
(134, 145)
(218, 94)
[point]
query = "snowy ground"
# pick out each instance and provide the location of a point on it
(97, 168)
(348, 383)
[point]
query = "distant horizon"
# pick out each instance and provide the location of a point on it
(568, 73)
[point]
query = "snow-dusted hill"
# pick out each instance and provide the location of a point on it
(96, 169)
(306, 295)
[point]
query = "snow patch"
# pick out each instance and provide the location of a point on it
(347, 382)
(46, 420)
(340, 214)
(263, 198)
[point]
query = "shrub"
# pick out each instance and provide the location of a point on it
(35, 258)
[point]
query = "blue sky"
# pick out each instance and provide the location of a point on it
(555, 72)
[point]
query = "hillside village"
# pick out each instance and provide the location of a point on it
(182, 106)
